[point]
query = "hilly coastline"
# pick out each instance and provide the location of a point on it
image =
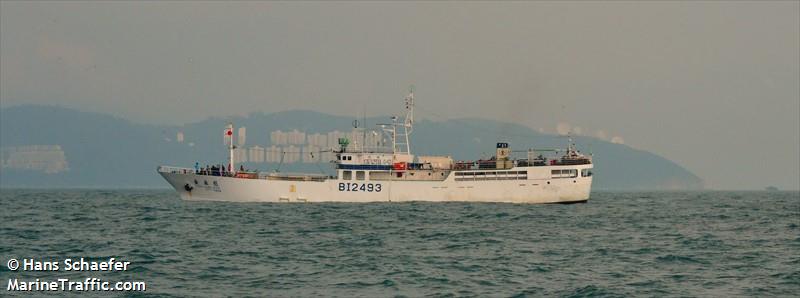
(105, 151)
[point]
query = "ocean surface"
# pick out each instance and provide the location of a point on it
(618, 244)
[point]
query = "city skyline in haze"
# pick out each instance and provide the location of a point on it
(712, 86)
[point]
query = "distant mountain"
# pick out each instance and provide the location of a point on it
(105, 151)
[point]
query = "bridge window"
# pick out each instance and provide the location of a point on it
(586, 173)
(347, 175)
(360, 175)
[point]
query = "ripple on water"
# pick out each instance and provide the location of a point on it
(678, 259)
(618, 244)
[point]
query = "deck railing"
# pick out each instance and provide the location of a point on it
(175, 170)
(245, 174)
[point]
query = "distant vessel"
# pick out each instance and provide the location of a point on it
(392, 174)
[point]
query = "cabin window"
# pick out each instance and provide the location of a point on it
(497, 175)
(570, 173)
(338, 157)
(399, 175)
(360, 175)
(347, 175)
(586, 173)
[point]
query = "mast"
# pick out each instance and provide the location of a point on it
(401, 142)
(408, 125)
(229, 140)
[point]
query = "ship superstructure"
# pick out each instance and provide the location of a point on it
(393, 174)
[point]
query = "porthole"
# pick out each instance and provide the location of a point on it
(548, 182)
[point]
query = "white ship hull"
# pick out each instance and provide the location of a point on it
(537, 187)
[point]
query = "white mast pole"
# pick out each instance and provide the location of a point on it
(394, 135)
(409, 123)
(230, 147)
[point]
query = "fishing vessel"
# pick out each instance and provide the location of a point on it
(393, 174)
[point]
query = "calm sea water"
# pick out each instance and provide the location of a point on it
(618, 244)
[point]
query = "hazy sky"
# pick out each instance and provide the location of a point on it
(714, 86)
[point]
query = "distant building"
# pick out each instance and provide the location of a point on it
(278, 138)
(291, 154)
(256, 154)
(272, 154)
(356, 137)
(179, 137)
(240, 155)
(374, 139)
(333, 138)
(317, 139)
(296, 137)
(49, 159)
(242, 136)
